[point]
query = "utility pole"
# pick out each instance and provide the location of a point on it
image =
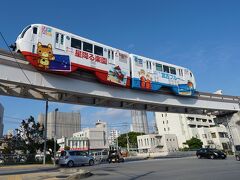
(127, 142)
(55, 138)
(45, 133)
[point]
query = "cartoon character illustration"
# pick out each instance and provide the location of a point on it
(117, 75)
(46, 55)
(142, 78)
(148, 81)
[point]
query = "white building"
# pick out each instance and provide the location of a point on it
(97, 136)
(114, 134)
(157, 143)
(186, 126)
(1, 120)
(75, 143)
(139, 121)
(63, 124)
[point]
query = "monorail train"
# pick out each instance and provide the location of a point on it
(54, 50)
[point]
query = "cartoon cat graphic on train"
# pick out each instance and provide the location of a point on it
(45, 55)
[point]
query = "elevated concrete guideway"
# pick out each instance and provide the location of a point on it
(18, 78)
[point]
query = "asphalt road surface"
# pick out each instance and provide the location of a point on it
(189, 168)
(181, 169)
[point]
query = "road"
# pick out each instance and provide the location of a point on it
(179, 169)
(170, 169)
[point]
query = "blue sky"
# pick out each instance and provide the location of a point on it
(201, 35)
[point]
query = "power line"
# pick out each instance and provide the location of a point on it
(14, 57)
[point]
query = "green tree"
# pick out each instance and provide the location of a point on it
(194, 143)
(132, 138)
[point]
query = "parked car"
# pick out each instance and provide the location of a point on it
(72, 158)
(210, 153)
(100, 156)
(237, 152)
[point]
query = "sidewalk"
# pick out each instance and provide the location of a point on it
(22, 169)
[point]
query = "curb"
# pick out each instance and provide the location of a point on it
(25, 171)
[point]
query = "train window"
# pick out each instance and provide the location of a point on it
(75, 43)
(24, 31)
(35, 30)
(150, 64)
(158, 67)
(57, 36)
(180, 72)
(172, 70)
(98, 50)
(111, 56)
(87, 47)
(62, 39)
(190, 74)
(165, 69)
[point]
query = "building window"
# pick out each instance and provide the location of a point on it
(164, 129)
(213, 135)
(168, 128)
(198, 119)
(204, 136)
(163, 122)
(190, 118)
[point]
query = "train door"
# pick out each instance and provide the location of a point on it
(59, 41)
(34, 38)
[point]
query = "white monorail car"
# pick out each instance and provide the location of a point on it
(54, 50)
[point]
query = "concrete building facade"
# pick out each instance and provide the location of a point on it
(114, 134)
(186, 126)
(97, 136)
(63, 124)
(139, 121)
(1, 120)
(152, 143)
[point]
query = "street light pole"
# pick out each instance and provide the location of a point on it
(55, 138)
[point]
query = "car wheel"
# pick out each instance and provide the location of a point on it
(212, 157)
(199, 156)
(237, 158)
(70, 164)
(91, 162)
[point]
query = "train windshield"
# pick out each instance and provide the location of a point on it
(24, 31)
